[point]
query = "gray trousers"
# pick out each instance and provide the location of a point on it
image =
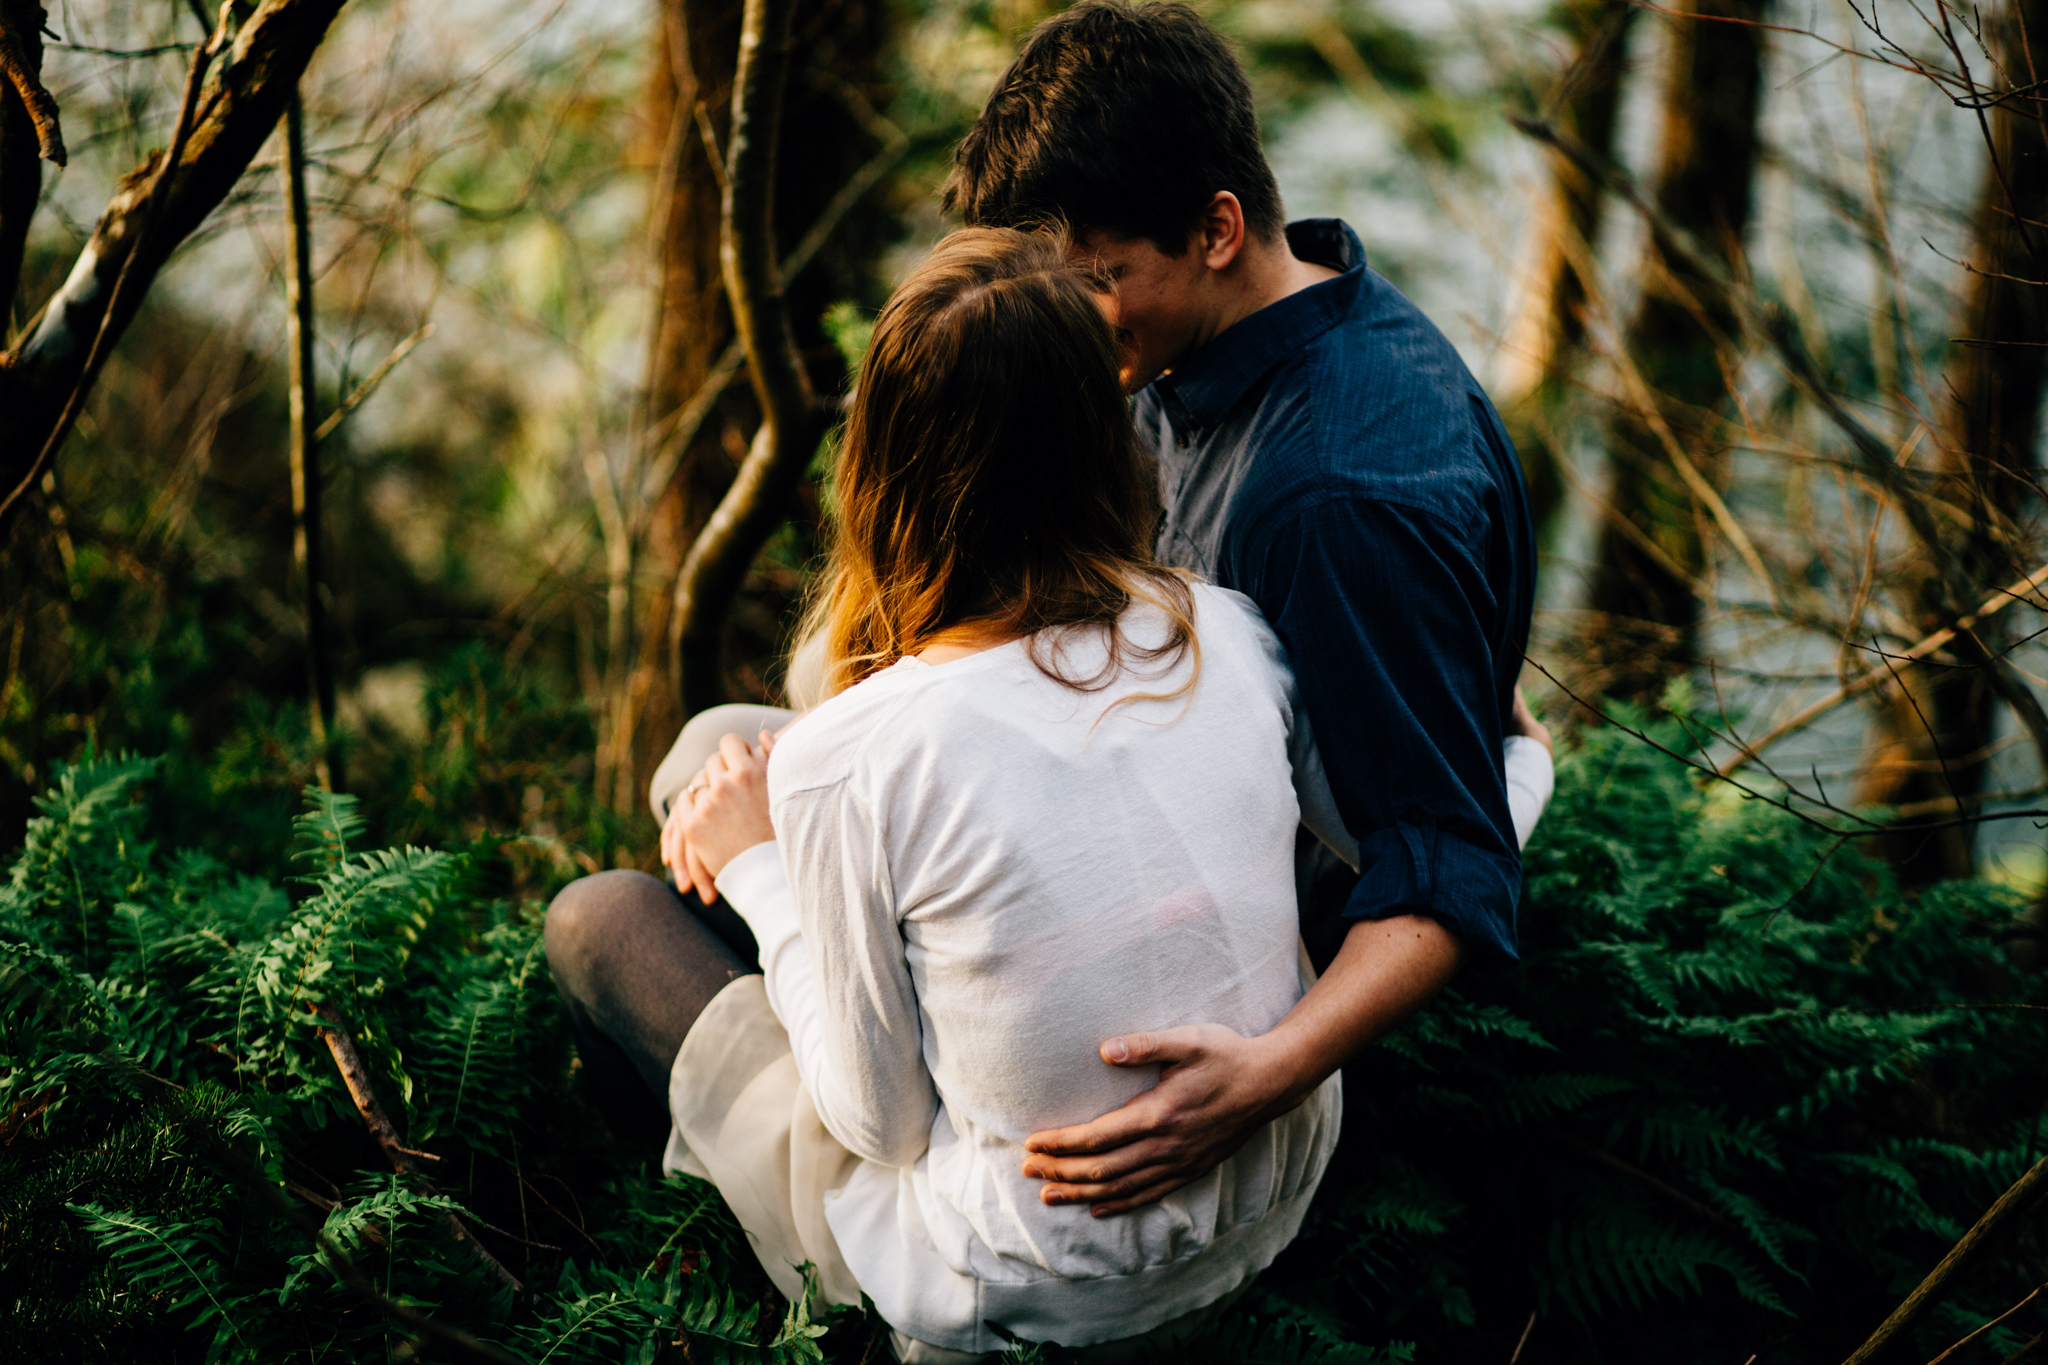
(636, 960)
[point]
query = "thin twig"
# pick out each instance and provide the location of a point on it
(1989, 1325)
(308, 544)
(2026, 1349)
(791, 425)
(362, 391)
(223, 1154)
(1523, 1340)
(682, 425)
(711, 153)
(1996, 602)
(1870, 828)
(1671, 1193)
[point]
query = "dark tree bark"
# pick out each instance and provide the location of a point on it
(28, 135)
(1547, 340)
(235, 115)
(1934, 734)
(1706, 165)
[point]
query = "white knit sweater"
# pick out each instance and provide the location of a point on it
(982, 874)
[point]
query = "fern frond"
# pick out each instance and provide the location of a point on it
(81, 856)
(1618, 1257)
(323, 834)
(180, 1264)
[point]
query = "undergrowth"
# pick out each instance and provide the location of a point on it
(1738, 1097)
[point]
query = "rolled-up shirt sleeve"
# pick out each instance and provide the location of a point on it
(1391, 618)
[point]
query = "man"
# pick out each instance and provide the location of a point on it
(1324, 451)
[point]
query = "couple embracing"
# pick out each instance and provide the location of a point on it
(1152, 758)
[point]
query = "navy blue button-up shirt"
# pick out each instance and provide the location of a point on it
(1331, 457)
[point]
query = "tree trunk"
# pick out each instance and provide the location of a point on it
(839, 56)
(308, 543)
(1707, 161)
(1546, 339)
(1934, 734)
(692, 116)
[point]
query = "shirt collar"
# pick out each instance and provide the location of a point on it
(1201, 390)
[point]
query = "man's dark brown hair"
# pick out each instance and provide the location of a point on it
(1117, 118)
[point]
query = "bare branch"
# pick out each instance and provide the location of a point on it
(682, 425)
(1670, 1193)
(223, 1155)
(1996, 602)
(150, 210)
(307, 546)
(21, 169)
(1861, 826)
(361, 394)
(157, 206)
(2038, 1291)
(1777, 333)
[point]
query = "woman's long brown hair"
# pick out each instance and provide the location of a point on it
(989, 477)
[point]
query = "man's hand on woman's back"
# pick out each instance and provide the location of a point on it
(1216, 1088)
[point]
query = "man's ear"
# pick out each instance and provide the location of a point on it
(1220, 234)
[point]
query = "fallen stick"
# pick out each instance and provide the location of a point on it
(226, 1157)
(403, 1159)
(2008, 1206)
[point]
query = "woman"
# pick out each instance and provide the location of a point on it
(1051, 798)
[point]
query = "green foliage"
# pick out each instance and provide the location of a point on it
(851, 327)
(158, 1006)
(1737, 1097)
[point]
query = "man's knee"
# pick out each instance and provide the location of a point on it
(597, 914)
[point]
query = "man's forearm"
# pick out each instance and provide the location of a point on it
(1217, 1086)
(1386, 970)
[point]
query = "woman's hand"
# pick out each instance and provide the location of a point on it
(689, 874)
(1527, 724)
(722, 814)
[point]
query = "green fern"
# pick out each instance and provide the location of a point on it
(179, 1268)
(331, 822)
(1696, 1122)
(1617, 1256)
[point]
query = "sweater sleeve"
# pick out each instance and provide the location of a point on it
(1531, 778)
(863, 1059)
(756, 884)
